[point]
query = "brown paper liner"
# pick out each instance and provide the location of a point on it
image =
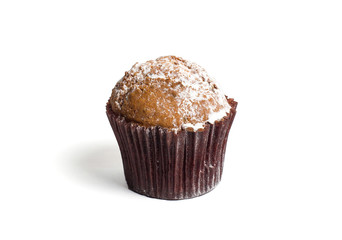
(165, 164)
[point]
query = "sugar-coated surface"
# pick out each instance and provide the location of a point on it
(170, 92)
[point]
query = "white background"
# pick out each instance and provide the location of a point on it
(61, 175)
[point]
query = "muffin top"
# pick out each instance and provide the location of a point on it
(169, 92)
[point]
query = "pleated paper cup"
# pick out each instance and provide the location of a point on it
(165, 164)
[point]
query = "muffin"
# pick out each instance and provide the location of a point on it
(171, 122)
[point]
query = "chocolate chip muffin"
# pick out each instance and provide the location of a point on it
(171, 122)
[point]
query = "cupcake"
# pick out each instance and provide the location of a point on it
(171, 122)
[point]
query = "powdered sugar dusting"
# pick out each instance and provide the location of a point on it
(183, 94)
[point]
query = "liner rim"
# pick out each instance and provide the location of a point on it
(232, 103)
